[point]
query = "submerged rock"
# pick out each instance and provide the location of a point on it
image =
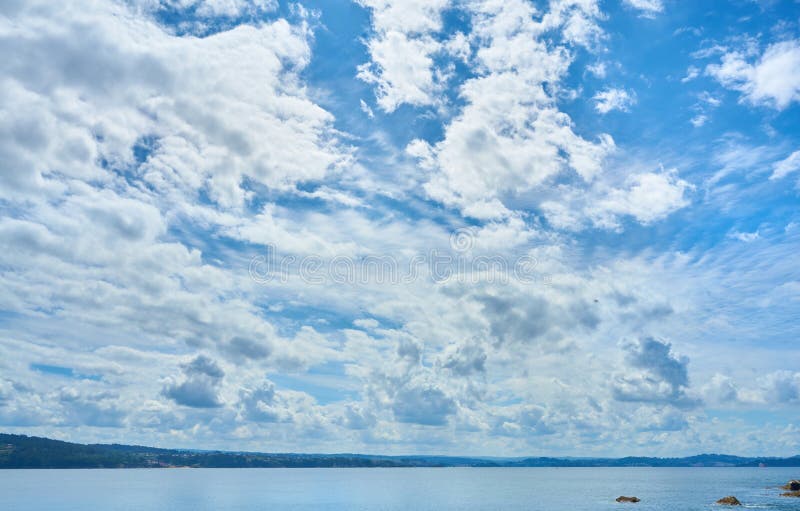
(628, 499)
(791, 494)
(729, 501)
(793, 485)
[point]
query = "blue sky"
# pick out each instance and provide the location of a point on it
(402, 226)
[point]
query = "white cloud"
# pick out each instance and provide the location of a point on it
(510, 137)
(233, 93)
(691, 73)
(699, 120)
(598, 69)
(367, 110)
(647, 197)
(647, 8)
(402, 52)
(232, 8)
(654, 375)
(613, 99)
(721, 389)
(781, 387)
(138, 182)
(785, 167)
(199, 387)
(747, 237)
(773, 79)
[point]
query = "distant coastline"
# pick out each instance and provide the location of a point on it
(21, 451)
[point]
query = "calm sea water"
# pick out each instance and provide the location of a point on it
(464, 489)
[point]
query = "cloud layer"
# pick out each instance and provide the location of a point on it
(549, 261)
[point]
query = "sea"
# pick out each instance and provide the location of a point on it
(392, 489)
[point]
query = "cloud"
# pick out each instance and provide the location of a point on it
(145, 161)
(367, 110)
(97, 409)
(747, 237)
(598, 69)
(359, 417)
(647, 8)
(699, 120)
(721, 389)
(242, 348)
(421, 404)
(199, 388)
(524, 421)
(691, 73)
(402, 52)
(234, 85)
(513, 318)
(772, 80)
(646, 197)
(785, 167)
(667, 419)
(486, 156)
(465, 359)
(654, 375)
(613, 99)
(781, 387)
(232, 8)
(260, 405)
(210, 9)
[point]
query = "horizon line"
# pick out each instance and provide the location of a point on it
(477, 456)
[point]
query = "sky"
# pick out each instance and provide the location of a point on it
(477, 227)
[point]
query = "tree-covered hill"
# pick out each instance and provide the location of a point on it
(20, 451)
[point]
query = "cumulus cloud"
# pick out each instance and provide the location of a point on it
(199, 387)
(421, 404)
(721, 389)
(465, 359)
(613, 99)
(654, 375)
(781, 387)
(487, 155)
(205, 137)
(533, 319)
(242, 348)
(98, 409)
(402, 52)
(210, 9)
(145, 163)
(773, 79)
(359, 417)
(646, 197)
(260, 404)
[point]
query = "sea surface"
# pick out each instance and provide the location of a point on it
(390, 489)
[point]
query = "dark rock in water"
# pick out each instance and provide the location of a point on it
(791, 494)
(628, 499)
(729, 501)
(793, 485)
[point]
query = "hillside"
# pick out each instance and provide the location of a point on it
(20, 451)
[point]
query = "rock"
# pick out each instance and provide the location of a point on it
(791, 494)
(627, 499)
(729, 501)
(792, 485)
